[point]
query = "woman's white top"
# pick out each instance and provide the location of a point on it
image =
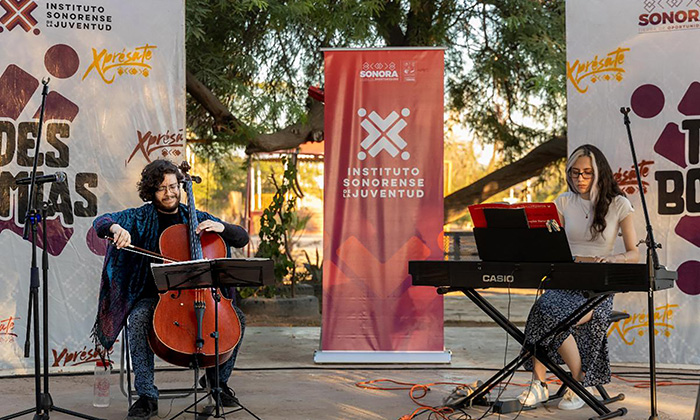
(578, 217)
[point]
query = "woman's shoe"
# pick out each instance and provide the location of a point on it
(535, 393)
(571, 401)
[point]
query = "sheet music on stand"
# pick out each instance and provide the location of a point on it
(219, 272)
(523, 232)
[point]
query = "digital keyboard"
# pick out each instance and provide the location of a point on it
(600, 277)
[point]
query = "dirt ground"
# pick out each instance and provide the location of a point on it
(277, 379)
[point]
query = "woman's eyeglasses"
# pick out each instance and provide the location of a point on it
(575, 173)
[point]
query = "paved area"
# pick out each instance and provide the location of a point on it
(277, 379)
(459, 310)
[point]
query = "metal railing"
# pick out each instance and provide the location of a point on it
(459, 245)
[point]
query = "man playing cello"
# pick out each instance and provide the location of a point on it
(127, 287)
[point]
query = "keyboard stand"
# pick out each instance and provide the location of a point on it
(479, 396)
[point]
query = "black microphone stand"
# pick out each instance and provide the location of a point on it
(44, 402)
(656, 271)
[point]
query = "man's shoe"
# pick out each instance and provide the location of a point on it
(536, 392)
(143, 409)
(228, 396)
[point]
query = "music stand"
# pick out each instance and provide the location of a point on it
(213, 274)
(523, 233)
(227, 272)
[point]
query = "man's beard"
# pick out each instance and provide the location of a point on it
(169, 207)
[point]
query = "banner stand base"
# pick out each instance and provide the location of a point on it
(398, 357)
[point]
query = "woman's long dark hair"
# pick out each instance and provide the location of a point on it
(604, 188)
(152, 176)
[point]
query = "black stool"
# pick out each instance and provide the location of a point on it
(615, 316)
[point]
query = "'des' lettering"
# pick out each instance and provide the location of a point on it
(20, 141)
(17, 144)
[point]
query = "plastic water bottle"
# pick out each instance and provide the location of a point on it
(101, 388)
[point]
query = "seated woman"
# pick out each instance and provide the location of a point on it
(593, 211)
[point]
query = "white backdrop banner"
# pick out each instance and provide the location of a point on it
(644, 54)
(116, 101)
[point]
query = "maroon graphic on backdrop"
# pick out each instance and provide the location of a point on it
(18, 140)
(18, 13)
(677, 189)
(61, 61)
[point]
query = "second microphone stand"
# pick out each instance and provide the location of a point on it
(656, 271)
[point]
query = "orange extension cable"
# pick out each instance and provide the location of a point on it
(416, 392)
(639, 383)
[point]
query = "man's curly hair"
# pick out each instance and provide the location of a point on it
(152, 176)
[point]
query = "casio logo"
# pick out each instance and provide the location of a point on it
(498, 278)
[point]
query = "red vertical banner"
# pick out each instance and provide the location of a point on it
(383, 205)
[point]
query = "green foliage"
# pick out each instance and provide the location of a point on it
(265, 291)
(314, 270)
(277, 223)
(259, 56)
(505, 59)
(514, 93)
(461, 156)
(551, 183)
(222, 173)
(309, 175)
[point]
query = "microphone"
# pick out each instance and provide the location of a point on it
(57, 177)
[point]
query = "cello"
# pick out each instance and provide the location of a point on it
(184, 321)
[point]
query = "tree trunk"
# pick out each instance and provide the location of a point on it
(531, 165)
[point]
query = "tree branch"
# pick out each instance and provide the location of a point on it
(223, 119)
(531, 165)
(287, 138)
(292, 136)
